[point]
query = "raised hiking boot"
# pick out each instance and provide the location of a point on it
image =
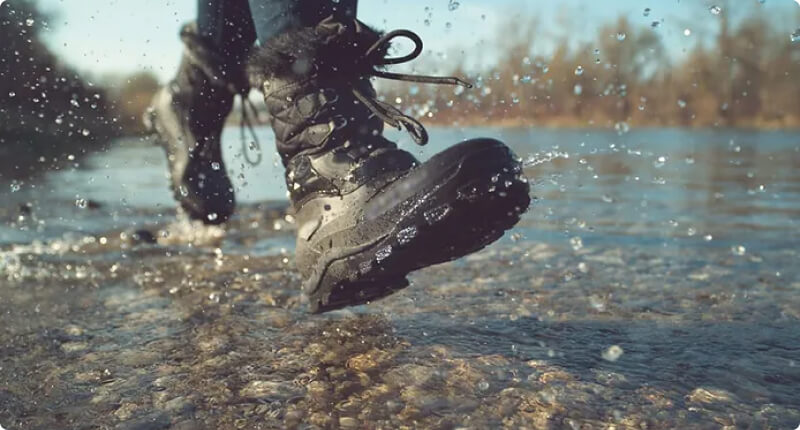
(188, 116)
(367, 212)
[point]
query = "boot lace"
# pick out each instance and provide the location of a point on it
(374, 58)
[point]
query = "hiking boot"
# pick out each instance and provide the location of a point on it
(188, 116)
(367, 212)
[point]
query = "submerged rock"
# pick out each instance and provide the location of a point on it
(271, 390)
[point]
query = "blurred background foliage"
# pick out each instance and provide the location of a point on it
(742, 75)
(49, 113)
(746, 76)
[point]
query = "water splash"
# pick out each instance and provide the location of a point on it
(544, 157)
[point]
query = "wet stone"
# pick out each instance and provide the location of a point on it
(179, 406)
(271, 390)
(709, 395)
(348, 422)
(155, 421)
(74, 347)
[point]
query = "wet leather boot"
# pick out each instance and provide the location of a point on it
(188, 116)
(367, 212)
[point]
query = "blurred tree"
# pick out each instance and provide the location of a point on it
(131, 98)
(744, 74)
(45, 107)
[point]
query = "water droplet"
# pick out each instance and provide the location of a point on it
(15, 186)
(406, 235)
(708, 238)
(383, 253)
(59, 120)
(183, 190)
(681, 103)
(715, 10)
(12, 94)
(578, 89)
(526, 79)
(687, 32)
(621, 36)
(81, 203)
(212, 216)
(453, 5)
(622, 127)
(578, 70)
(483, 386)
(738, 250)
(646, 11)
(215, 165)
(576, 243)
(795, 37)
(613, 353)
(29, 22)
(432, 216)
(85, 132)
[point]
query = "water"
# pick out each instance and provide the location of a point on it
(653, 284)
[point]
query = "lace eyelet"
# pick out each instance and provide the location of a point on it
(338, 122)
(330, 95)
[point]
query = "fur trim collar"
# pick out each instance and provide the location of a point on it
(330, 48)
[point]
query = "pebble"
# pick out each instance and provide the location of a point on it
(348, 422)
(74, 346)
(156, 421)
(555, 376)
(271, 390)
(709, 395)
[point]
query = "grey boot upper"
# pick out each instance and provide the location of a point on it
(188, 115)
(327, 119)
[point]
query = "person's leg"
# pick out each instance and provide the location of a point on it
(228, 26)
(189, 113)
(272, 17)
(367, 212)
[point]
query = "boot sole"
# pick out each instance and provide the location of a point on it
(456, 219)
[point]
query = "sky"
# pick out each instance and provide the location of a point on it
(117, 37)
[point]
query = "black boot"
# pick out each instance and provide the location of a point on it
(368, 213)
(188, 116)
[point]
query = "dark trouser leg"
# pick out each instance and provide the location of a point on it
(228, 26)
(271, 17)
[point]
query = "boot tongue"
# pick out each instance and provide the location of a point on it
(338, 172)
